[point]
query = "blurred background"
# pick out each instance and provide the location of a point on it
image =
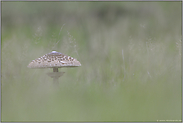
(130, 54)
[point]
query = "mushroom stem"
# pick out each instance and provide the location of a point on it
(55, 76)
(55, 69)
(55, 79)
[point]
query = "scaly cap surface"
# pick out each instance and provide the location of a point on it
(54, 59)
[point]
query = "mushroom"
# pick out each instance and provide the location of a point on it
(54, 60)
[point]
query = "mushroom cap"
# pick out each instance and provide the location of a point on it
(54, 59)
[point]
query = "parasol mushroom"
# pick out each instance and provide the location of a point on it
(54, 60)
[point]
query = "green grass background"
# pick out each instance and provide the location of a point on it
(130, 54)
